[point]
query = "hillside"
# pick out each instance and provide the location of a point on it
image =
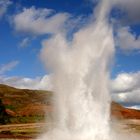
(120, 112)
(25, 105)
(32, 105)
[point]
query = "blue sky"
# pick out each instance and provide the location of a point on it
(28, 57)
(21, 42)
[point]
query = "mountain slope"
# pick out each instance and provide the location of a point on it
(24, 102)
(31, 103)
(121, 112)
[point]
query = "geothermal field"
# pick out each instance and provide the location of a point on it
(88, 87)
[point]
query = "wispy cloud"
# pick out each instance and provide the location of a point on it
(4, 4)
(25, 42)
(7, 67)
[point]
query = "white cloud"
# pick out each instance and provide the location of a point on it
(40, 83)
(7, 67)
(131, 9)
(126, 88)
(126, 82)
(39, 21)
(4, 4)
(127, 40)
(132, 97)
(137, 107)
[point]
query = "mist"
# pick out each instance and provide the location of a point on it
(80, 71)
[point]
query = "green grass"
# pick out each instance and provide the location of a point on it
(27, 119)
(11, 107)
(32, 132)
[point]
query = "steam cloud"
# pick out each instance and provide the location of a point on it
(80, 78)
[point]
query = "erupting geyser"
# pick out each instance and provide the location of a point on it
(80, 80)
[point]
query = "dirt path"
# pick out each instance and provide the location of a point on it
(21, 126)
(28, 131)
(21, 131)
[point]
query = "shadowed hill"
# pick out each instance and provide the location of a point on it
(26, 103)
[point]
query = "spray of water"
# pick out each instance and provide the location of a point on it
(80, 80)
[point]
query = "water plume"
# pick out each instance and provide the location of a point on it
(80, 77)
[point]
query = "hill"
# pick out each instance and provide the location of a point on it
(121, 112)
(25, 105)
(32, 105)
